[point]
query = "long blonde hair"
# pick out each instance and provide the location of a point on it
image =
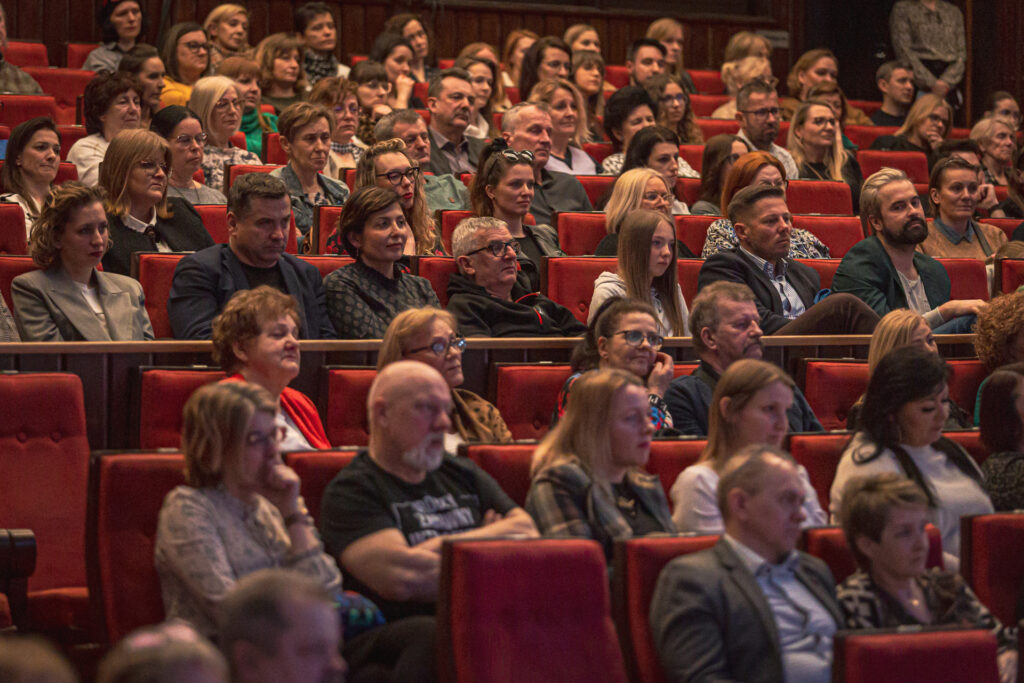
(893, 330)
(545, 92)
(661, 29)
(921, 109)
(627, 193)
(126, 150)
(835, 158)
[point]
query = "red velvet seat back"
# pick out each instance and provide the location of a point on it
(345, 420)
(617, 75)
(712, 127)
(869, 107)
(693, 155)
(968, 374)
(1011, 274)
(10, 268)
(693, 230)
(273, 152)
(707, 81)
(914, 164)
(669, 457)
(828, 543)
(820, 454)
(437, 270)
(705, 105)
(970, 440)
(819, 196)
(839, 233)
(992, 561)
(449, 220)
(128, 490)
(638, 563)
(526, 611)
(215, 220)
(69, 135)
(579, 233)
(156, 274)
(27, 53)
(598, 151)
(236, 171)
(968, 277)
(77, 53)
(826, 268)
(688, 272)
(1007, 225)
(688, 190)
(163, 393)
(526, 395)
(325, 222)
(596, 186)
(863, 136)
(832, 387)
(316, 469)
(13, 239)
(17, 108)
(508, 463)
(327, 264)
(947, 656)
(570, 281)
(65, 85)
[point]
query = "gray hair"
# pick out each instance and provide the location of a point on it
(464, 237)
(385, 127)
(747, 471)
(511, 118)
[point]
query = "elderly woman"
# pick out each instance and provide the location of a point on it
(144, 63)
(255, 123)
(657, 148)
(111, 104)
(228, 28)
(183, 131)
(255, 339)
(570, 128)
(340, 97)
(216, 102)
(639, 188)
(142, 217)
(587, 474)
(121, 22)
(815, 142)
(314, 23)
(884, 520)
(674, 110)
(430, 335)
(306, 131)
(186, 56)
(901, 431)
(926, 126)
(68, 299)
(995, 137)
(282, 80)
(33, 157)
(748, 408)
(364, 297)
(720, 153)
(1002, 431)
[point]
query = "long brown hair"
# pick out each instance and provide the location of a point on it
(634, 259)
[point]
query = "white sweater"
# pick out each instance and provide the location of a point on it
(608, 285)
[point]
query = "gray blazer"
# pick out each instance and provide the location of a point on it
(711, 622)
(49, 306)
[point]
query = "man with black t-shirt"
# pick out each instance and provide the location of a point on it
(259, 217)
(386, 514)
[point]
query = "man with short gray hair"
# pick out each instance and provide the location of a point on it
(486, 296)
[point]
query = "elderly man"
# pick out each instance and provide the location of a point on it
(486, 296)
(757, 110)
(443, 191)
(527, 126)
(450, 101)
(887, 272)
(645, 57)
(895, 81)
(787, 293)
(259, 217)
(724, 325)
(752, 608)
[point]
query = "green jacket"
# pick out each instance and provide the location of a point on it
(867, 272)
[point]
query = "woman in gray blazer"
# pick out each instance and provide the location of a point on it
(68, 299)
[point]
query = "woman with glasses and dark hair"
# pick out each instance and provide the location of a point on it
(216, 102)
(183, 131)
(186, 57)
(720, 153)
(111, 104)
(627, 112)
(33, 157)
(504, 188)
(121, 24)
(431, 336)
(364, 297)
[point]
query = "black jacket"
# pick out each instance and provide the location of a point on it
(526, 315)
(183, 231)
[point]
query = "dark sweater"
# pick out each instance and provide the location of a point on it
(528, 314)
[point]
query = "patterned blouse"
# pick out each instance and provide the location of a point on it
(612, 165)
(722, 237)
(947, 595)
(661, 418)
(361, 302)
(1003, 480)
(214, 159)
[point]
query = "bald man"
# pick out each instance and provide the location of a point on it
(385, 515)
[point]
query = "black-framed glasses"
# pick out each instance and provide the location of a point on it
(197, 47)
(636, 338)
(151, 167)
(200, 139)
(439, 347)
(395, 177)
(512, 155)
(497, 249)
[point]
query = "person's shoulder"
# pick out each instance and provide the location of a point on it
(184, 500)
(856, 584)
(568, 473)
(358, 473)
(209, 256)
(694, 568)
(121, 281)
(347, 275)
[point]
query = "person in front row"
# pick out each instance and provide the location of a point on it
(886, 272)
(752, 608)
(68, 299)
(385, 516)
(884, 520)
(486, 297)
(787, 293)
(259, 216)
(724, 325)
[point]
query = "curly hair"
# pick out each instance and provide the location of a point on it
(55, 215)
(100, 93)
(995, 335)
(422, 225)
(242, 320)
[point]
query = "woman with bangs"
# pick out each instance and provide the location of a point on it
(815, 141)
(186, 56)
(372, 88)
(927, 124)
(570, 128)
(421, 41)
(228, 28)
(282, 80)
(394, 53)
(584, 38)
(121, 23)
(587, 74)
(339, 96)
(516, 44)
(587, 474)
(216, 102)
(255, 122)
(674, 110)
(482, 75)
(141, 216)
(669, 33)
(111, 103)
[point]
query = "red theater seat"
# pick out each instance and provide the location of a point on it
(77, 53)
(156, 274)
(69, 135)
(449, 220)
(617, 75)
(437, 270)
(535, 610)
(819, 196)
(327, 264)
(596, 186)
(26, 54)
(570, 280)
(273, 152)
(693, 155)
(637, 564)
(914, 164)
(316, 469)
(693, 230)
(1007, 225)
(689, 270)
(526, 394)
(819, 454)
(17, 108)
(828, 543)
(1009, 274)
(65, 171)
(598, 151)
(838, 233)
(508, 463)
(863, 136)
(707, 81)
(325, 222)
(236, 171)
(163, 393)
(967, 276)
(826, 268)
(712, 127)
(215, 220)
(970, 440)
(992, 560)
(705, 105)
(968, 375)
(688, 190)
(65, 85)
(10, 268)
(832, 387)
(345, 417)
(869, 107)
(44, 467)
(950, 656)
(128, 490)
(13, 239)
(579, 232)
(669, 457)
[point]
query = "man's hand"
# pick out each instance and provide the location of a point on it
(940, 88)
(958, 307)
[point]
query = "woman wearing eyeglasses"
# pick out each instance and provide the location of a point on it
(816, 143)
(306, 131)
(186, 57)
(340, 96)
(657, 148)
(430, 335)
(674, 110)
(216, 102)
(141, 215)
(748, 408)
(364, 297)
(183, 131)
(637, 188)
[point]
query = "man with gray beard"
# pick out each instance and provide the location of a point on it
(386, 514)
(886, 272)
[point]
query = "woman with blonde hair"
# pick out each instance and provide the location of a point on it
(216, 102)
(927, 124)
(282, 80)
(815, 141)
(737, 74)
(674, 110)
(748, 408)
(747, 44)
(669, 33)
(141, 216)
(431, 336)
(639, 188)
(516, 44)
(996, 138)
(570, 128)
(227, 26)
(255, 122)
(587, 474)
(811, 68)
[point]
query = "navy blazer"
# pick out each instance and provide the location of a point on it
(711, 622)
(735, 266)
(205, 280)
(183, 231)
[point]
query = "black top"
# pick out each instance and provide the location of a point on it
(633, 511)
(880, 118)
(182, 231)
(1011, 208)
(264, 276)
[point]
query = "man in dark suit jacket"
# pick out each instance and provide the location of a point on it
(259, 216)
(450, 101)
(752, 608)
(786, 292)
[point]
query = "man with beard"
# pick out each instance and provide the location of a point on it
(527, 126)
(886, 272)
(450, 101)
(725, 329)
(757, 110)
(385, 515)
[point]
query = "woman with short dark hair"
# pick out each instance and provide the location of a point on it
(183, 131)
(111, 104)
